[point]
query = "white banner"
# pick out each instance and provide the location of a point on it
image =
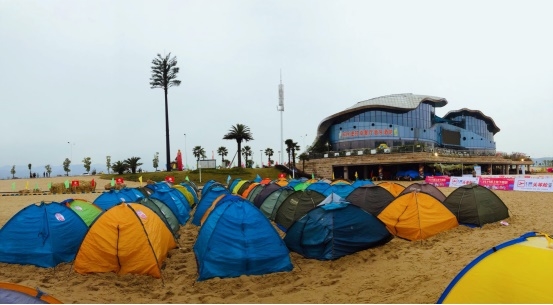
(541, 184)
(460, 181)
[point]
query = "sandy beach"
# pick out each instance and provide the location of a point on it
(400, 271)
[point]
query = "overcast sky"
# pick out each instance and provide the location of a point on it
(79, 71)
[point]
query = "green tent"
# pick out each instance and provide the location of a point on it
(475, 205)
(87, 210)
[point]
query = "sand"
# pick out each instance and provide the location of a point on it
(400, 271)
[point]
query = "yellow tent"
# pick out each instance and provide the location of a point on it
(127, 238)
(392, 187)
(416, 216)
(519, 271)
(189, 197)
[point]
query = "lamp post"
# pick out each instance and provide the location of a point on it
(261, 158)
(200, 169)
(279, 158)
(185, 153)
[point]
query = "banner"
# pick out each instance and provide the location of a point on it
(497, 183)
(533, 184)
(437, 181)
(460, 181)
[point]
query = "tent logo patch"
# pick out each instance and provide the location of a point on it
(141, 214)
(59, 217)
(78, 208)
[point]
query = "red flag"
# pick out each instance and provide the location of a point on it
(170, 179)
(75, 183)
(179, 161)
(92, 183)
(119, 180)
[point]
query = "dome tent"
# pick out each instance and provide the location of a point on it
(335, 229)
(236, 239)
(475, 205)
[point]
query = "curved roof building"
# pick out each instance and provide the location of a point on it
(401, 120)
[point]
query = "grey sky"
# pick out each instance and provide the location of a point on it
(78, 71)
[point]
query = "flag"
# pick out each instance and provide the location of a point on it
(228, 179)
(312, 176)
(27, 185)
(139, 179)
(257, 178)
(112, 181)
(36, 186)
(179, 161)
(66, 184)
(13, 186)
(49, 185)
(186, 178)
(92, 183)
(356, 175)
(332, 175)
(119, 180)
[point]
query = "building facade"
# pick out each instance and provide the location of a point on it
(406, 120)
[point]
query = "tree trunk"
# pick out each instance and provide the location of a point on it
(167, 148)
(239, 153)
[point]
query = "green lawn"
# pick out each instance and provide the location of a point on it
(219, 175)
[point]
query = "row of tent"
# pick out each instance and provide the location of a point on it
(131, 230)
(125, 231)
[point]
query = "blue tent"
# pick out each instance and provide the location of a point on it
(176, 201)
(43, 235)
(361, 182)
(162, 185)
(135, 194)
(236, 239)
(206, 201)
(343, 190)
(335, 229)
(113, 197)
(319, 186)
(192, 191)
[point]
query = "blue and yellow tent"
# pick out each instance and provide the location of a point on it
(517, 271)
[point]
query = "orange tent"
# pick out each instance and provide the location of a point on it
(392, 187)
(416, 216)
(127, 238)
(247, 191)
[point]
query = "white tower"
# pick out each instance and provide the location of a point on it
(280, 108)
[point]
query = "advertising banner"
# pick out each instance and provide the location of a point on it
(497, 183)
(533, 184)
(460, 181)
(437, 181)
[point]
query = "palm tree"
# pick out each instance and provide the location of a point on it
(303, 157)
(247, 152)
(120, 167)
(269, 152)
(223, 152)
(291, 148)
(133, 163)
(164, 75)
(239, 132)
(198, 152)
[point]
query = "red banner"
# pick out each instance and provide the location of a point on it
(438, 181)
(495, 183)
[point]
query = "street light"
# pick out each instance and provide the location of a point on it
(200, 168)
(261, 158)
(185, 152)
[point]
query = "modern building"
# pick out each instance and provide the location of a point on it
(388, 135)
(401, 120)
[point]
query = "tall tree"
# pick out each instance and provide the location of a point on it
(12, 171)
(223, 152)
(269, 152)
(156, 161)
(87, 162)
(48, 170)
(164, 75)
(247, 152)
(198, 152)
(239, 132)
(66, 164)
(120, 167)
(108, 163)
(30, 174)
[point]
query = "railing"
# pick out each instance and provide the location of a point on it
(466, 153)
